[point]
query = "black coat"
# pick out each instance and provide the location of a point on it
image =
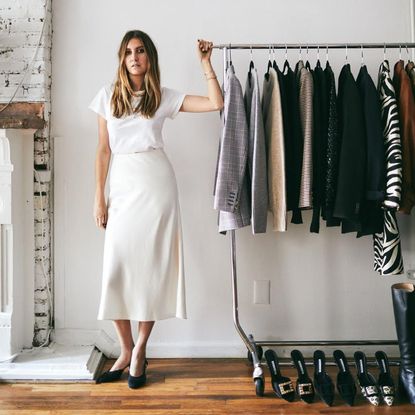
(332, 150)
(293, 141)
(371, 213)
(351, 183)
(320, 124)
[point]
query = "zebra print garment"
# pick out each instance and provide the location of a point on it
(392, 137)
(387, 245)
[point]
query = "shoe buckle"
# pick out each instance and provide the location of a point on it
(286, 387)
(305, 388)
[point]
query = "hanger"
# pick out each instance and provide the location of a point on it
(407, 52)
(230, 54)
(274, 62)
(318, 64)
(361, 51)
(307, 63)
(269, 62)
(286, 63)
(251, 66)
(327, 55)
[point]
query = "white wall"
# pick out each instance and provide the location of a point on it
(322, 286)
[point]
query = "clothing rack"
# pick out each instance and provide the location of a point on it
(315, 45)
(255, 347)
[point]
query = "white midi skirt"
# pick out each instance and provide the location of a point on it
(143, 273)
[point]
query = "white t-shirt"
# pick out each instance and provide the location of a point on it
(136, 133)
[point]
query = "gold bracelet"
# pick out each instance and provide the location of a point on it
(211, 77)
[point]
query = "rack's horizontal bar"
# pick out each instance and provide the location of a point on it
(393, 361)
(315, 45)
(327, 343)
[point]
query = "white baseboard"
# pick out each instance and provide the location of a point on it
(110, 347)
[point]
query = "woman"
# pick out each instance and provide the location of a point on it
(143, 275)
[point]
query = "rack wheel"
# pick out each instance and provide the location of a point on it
(259, 352)
(259, 386)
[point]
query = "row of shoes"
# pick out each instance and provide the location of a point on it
(374, 391)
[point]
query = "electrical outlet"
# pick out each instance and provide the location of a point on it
(262, 291)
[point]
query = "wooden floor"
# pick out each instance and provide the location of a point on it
(176, 386)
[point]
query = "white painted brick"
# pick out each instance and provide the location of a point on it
(39, 269)
(26, 93)
(40, 202)
(11, 67)
(41, 145)
(23, 52)
(24, 39)
(41, 322)
(15, 11)
(37, 79)
(41, 214)
(44, 187)
(41, 294)
(5, 25)
(40, 65)
(27, 24)
(41, 158)
(45, 229)
(40, 242)
(40, 283)
(40, 336)
(42, 308)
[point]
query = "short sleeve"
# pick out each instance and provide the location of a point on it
(173, 101)
(99, 103)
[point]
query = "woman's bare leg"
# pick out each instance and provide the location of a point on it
(139, 351)
(123, 328)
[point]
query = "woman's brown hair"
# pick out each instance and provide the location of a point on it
(123, 91)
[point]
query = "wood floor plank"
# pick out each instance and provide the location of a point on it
(176, 387)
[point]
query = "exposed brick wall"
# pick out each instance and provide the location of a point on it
(20, 27)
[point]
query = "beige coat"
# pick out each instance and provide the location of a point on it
(274, 137)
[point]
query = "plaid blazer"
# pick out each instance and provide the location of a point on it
(231, 195)
(257, 159)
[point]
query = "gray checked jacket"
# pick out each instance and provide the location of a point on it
(231, 196)
(257, 159)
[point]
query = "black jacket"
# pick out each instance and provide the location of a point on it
(371, 213)
(351, 183)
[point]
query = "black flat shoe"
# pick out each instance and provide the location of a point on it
(322, 382)
(304, 385)
(135, 382)
(282, 386)
(111, 375)
(366, 381)
(345, 382)
(385, 381)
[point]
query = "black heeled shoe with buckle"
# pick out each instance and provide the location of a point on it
(282, 386)
(135, 382)
(385, 381)
(111, 375)
(304, 386)
(345, 382)
(322, 382)
(367, 382)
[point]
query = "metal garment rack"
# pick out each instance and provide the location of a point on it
(255, 347)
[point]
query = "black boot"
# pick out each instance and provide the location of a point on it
(403, 296)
